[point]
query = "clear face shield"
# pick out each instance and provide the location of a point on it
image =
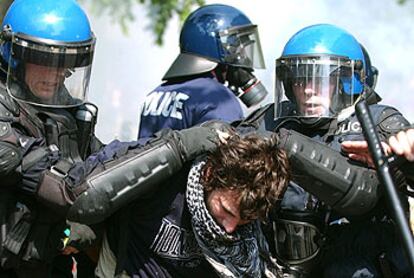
(241, 47)
(319, 87)
(49, 73)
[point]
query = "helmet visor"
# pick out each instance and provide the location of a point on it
(49, 75)
(241, 47)
(316, 86)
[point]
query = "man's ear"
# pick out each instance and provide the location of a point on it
(207, 173)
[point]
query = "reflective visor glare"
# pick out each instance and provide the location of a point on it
(313, 94)
(46, 85)
(317, 86)
(295, 241)
(241, 47)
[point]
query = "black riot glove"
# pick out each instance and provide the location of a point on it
(36, 160)
(197, 140)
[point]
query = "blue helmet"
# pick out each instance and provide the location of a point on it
(216, 34)
(321, 70)
(50, 38)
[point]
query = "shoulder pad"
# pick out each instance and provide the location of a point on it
(7, 101)
(5, 114)
(10, 158)
(391, 121)
(6, 118)
(5, 129)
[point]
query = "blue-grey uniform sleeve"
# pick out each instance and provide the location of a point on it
(112, 151)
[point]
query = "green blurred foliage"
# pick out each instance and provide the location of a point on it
(159, 12)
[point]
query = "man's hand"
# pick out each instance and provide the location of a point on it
(403, 144)
(400, 144)
(358, 150)
(69, 250)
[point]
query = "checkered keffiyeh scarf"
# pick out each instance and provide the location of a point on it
(239, 251)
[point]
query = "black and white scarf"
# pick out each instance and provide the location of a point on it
(232, 255)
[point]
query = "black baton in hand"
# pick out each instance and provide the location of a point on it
(385, 177)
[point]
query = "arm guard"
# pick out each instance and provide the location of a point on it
(119, 181)
(124, 171)
(347, 188)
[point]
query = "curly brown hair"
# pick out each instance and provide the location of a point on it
(255, 167)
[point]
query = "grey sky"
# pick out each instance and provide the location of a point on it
(126, 68)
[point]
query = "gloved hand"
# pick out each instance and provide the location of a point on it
(36, 160)
(198, 140)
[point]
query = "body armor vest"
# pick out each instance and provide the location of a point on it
(33, 232)
(299, 226)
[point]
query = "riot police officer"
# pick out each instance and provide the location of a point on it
(218, 44)
(46, 54)
(327, 228)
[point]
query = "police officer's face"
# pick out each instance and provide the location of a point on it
(223, 205)
(313, 96)
(44, 81)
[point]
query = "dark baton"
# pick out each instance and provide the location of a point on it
(385, 177)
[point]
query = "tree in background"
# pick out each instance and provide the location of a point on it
(4, 5)
(160, 12)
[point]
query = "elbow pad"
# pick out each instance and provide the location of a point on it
(348, 188)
